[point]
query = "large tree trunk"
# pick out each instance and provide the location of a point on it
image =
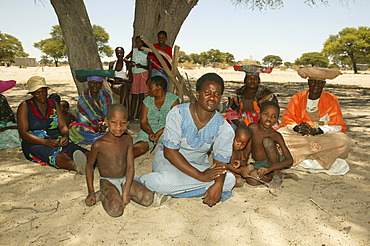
(156, 15)
(82, 50)
(354, 63)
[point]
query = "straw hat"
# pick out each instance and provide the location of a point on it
(6, 85)
(318, 73)
(35, 83)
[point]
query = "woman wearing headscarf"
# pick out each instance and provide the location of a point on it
(92, 107)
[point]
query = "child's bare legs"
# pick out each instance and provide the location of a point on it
(140, 148)
(273, 157)
(111, 199)
(246, 171)
(239, 181)
(140, 194)
(266, 178)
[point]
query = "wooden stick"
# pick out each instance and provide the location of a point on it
(34, 209)
(326, 211)
(265, 183)
(178, 83)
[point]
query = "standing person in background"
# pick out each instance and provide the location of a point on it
(155, 68)
(121, 83)
(139, 67)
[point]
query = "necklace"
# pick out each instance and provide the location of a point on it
(196, 115)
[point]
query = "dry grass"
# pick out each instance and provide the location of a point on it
(189, 65)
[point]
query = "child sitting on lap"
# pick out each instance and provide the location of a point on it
(113, 154)
(68, 116)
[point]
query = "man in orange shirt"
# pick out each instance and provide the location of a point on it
(312, 124)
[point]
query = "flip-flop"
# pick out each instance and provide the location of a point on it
(80, 160)
(158, 199)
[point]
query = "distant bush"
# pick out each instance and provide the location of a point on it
(188, 65)
(248, 62)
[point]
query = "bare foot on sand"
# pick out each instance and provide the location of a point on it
(290, 176)
(277, 180)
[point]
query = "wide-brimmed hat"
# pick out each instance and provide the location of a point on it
(6, 85)
(35, 83)
(318, 73)
(254, 70)
(94, 74)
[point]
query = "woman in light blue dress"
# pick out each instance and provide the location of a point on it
(181, 167)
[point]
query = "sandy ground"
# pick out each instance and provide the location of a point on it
(45, 206)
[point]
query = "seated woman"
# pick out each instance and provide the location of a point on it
(245, 106)
(92, 108)
(9, 137)
(313, 125)
(153, 116)
(43, 132)
(180, 166)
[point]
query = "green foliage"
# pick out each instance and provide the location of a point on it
(10, 47)
(195, 58)
(250, 61)
(349, 47)
(102, 38)
(287, 64)
(183, 57)
(274, 4)
(315, 59)
(333, 65)
(272, 60)
(208, 57)
(45, 61)
(55, 47)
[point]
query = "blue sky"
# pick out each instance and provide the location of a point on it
(288, 32)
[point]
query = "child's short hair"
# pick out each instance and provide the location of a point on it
(159, 81)
(119, 48)
(210, 77)
(243, 128)
(162, 32)
(269, 103)
(117, 107)
(64, 101)
(55, 97)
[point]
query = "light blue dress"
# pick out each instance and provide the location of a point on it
(182, 134)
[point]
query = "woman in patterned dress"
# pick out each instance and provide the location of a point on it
(43, 132)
